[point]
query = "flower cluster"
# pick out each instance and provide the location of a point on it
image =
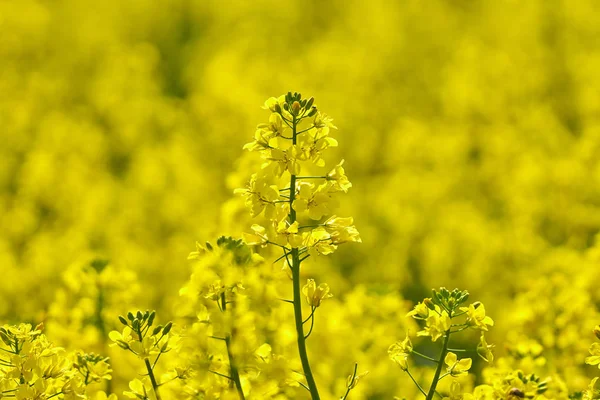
(444, 315)
(298, 203)
(148, 342)
(33, 368)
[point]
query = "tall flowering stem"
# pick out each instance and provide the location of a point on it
(299, 207)
(310, 380)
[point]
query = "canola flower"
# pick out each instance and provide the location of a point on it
(293, 141)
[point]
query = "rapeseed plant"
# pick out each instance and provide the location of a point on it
(295, 205)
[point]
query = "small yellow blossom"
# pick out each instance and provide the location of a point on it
(420, 311)
(399, 352)
(338, 177)
(484, 350)
(457, 367)
(436, 326)
(316, 294)
(258, 237)
(476, 316)
(594, 358)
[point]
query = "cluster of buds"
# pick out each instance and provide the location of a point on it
(144, 340)
(139, 337)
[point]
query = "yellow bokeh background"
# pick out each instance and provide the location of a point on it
(470, 131)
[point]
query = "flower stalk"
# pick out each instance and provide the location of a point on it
(298, 319)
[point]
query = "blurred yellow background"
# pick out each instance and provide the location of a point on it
(470, 130)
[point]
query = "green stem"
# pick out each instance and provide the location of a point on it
(149, 368)
(233, 370)
(310, 380)
(152, 378)
(424, 356)
(438, 370)
(416, 383)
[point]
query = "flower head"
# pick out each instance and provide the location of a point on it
(316, 294)
(457, 367)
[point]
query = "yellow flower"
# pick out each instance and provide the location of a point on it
(282, 160)
(196, 255)
(313, 143)
(317, 202)
(316, 294)
(260, 195)
(140, 390)
(592, 393)
(339, 179)
(436, 326)
(341, 230)
(420, 311)
(594, 358)
(399, 352)
(318, 241)
(484, 350)
(352, 380)
(258, 237)
(287, 233)
(476, 316)
(123, 340)
(457, 367)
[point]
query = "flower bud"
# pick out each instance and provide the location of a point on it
(517, 393)
(123, 320)
(310, 102)
(429, 303)
(597, 331)
(295, 107)
(151, 318)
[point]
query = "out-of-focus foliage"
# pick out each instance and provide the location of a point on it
(471, 134)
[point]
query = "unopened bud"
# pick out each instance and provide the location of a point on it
(429, 303)
(597, 331)
(517, 393)
(476, 304)
(295, 107)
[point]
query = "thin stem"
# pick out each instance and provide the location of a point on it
(149, 367)
(312, 324)
(152, 378)
(416, 383)
(438, 370)
(310, 316)
(235, 375)
(310, 380)
(461, 329)
(425, 357)
(349, 388)
(222, 375)
(305, 130)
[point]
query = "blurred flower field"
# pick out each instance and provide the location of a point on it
(470, 133)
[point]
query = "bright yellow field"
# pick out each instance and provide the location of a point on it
(470, 133)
